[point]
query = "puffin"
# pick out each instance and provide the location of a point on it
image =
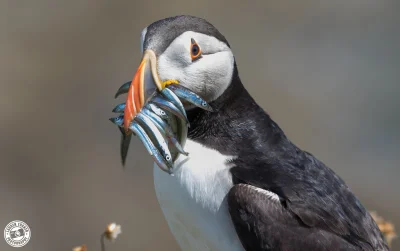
(243, 185)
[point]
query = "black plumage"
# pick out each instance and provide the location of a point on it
(265, 224)
(317, 211)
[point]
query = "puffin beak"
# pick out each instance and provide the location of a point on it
(144, 83)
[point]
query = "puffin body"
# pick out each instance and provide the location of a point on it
(244, 184)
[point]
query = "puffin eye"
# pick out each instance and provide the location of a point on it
(195, 51)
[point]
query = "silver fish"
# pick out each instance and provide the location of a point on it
(178, 125)
(168, 106)
(124, 144)
(123, 89)
(174, 99)
(151, 148)
(125, 138)
(157, 110)
(145, 122)
(118, 120)
(189, 96)
(181, 131)
(162, 123)
(165, 129)
(119, 108)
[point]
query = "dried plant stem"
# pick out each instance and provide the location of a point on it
(102, 238)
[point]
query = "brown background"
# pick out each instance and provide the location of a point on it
(327, 71)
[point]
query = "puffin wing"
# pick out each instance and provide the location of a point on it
(263, 223)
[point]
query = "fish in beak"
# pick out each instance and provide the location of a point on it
(153, 111)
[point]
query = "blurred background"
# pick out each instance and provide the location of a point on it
(327, 71)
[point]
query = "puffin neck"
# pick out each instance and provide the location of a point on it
(237, 121)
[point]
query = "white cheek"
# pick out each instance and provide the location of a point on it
(174, 60)
(209, 76)
(171, 65)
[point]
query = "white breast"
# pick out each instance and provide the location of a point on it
(193, 200)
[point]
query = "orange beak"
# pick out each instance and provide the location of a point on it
(139, 90)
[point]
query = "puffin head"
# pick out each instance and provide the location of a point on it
(183, 50)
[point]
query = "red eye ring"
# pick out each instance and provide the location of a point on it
(195, 51)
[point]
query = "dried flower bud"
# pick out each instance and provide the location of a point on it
(80, 248)
(386, 228)
(112, 231)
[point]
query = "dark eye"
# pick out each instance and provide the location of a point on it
(195, 51)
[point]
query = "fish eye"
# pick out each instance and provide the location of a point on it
(204, 103)
(195, 51)
(168, 157)
(162, 112)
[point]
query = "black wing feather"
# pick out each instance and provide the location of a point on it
(264, 224)
(313, 196)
